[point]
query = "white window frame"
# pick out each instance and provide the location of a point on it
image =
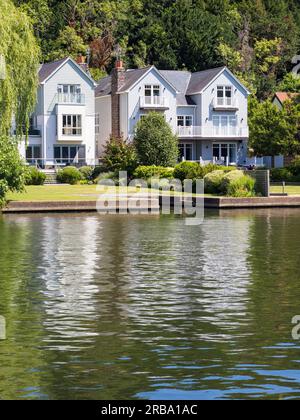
(184, 147)
(66, 89)
(225, 125)
(224, 100)
(185, 118)
(228, 146)
(76, 159)
(68, 128)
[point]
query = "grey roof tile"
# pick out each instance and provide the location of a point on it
(47, 69)
(201, 79)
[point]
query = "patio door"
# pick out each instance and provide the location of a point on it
(186, 151)
(225, 153)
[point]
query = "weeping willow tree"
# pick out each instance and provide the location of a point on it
(19, 53)
(19, 58)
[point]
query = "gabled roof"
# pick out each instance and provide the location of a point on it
(132, 77)
(285, 96)
(200, 80)
(184, 83)
(48, 69)
(181, 80)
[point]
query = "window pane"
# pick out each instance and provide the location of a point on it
(189, 121)
(57, 154)
(73, 152)
(180, 121)
(36, 152)
(216, 151)
(188, 152)
(29, 152)
(65, 152)
(181, 151)
(81, 152)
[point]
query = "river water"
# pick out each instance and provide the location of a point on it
(145, 307)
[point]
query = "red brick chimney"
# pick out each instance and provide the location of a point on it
(117, 81)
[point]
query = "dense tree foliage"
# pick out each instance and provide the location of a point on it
(257, 39)
(155, 142)
(19, 55)
(274, 131)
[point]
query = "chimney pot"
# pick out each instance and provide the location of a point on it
(119, 65)
(80, 59)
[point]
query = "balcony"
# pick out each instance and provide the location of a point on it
(213, 132)
(225, 104)
(154, 102)
(70, 99)
(191, 131)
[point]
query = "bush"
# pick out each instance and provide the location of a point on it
(69, 175)
(146, 172)
(120, 155)
(229, 178)
(213, 182)
(11, 168)
(106, 176)
(34, 177)
(155, 142)
(188, 170)
(87, 172)
(282, 174)
(243, 186)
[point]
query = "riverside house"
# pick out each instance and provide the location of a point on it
(208, 110)
(62, 127)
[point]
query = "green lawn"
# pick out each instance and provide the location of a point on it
(65, 193)
(290, 189)
(89, 193)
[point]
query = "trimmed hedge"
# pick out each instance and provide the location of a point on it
(213, 182)
(34, 177)
(69, 175)
(146, 172)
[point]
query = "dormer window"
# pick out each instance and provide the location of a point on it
(224, 95)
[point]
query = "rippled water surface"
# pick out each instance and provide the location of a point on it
(101, 307)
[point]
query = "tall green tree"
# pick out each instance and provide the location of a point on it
(155, 142)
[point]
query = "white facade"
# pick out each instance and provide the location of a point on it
(210, 116)
(63, 124)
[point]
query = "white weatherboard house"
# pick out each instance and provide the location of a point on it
(62, 127)
(208, 110)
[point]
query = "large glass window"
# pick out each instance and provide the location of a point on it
(186, 151)
(72, 125)
(33, 153)
(225, 153)
(69, 154)
(225, 125)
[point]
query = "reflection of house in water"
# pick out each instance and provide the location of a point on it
(69, 264)
(225, 270)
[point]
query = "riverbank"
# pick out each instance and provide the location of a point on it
(83, 198)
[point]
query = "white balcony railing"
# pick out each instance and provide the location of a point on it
(70, 99)
(191, 131)
(212, 132)
(225, 103)
(154, 102)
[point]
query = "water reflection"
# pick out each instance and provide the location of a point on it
(123, 307)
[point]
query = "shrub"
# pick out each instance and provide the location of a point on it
(243, 186)
(106, 176)
(120, 155)
(34, 177)
(282, 174)
(87, 172)
(69, 175)
(155, 142)
(213, 182)
(229, 178)
(98, 170)
(11, 167)
(146, 172)
(188, 170)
